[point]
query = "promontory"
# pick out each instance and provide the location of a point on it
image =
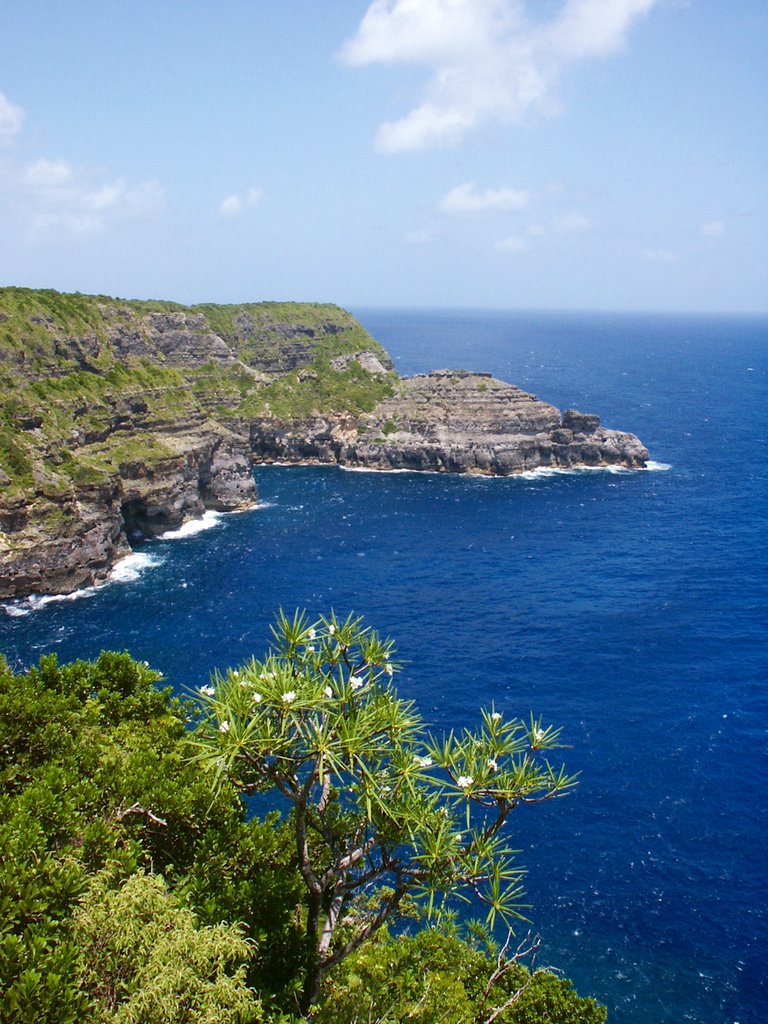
(122, 419)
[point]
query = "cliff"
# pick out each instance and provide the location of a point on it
(451, 421)
(124, 418)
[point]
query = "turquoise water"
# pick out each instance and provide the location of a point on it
(628, 607)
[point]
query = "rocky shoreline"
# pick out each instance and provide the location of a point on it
(452, 421)
(103, 458)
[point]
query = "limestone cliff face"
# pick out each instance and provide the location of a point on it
(124, 419)
(56, 543)
(456, 422)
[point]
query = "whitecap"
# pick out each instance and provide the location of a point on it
(380, 469)
(126, 570)
(130, 568)
(657, 467)
(15, 609)
(206, 522)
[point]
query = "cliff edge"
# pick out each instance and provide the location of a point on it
(122, 419)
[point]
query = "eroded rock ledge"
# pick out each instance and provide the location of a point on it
(59, 543)
(452, 421)
(123, 419)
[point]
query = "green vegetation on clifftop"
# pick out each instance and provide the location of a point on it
(81, 372)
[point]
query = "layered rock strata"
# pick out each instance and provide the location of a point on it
(123, 420)
(452, 421)
(55, 543)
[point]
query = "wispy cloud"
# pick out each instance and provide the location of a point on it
(514, 243)
(11, 119)
(571, 224)
(56, 197)
(712, 229)
(488, 60)
(62, 198)
(232, 205)
(660, 256)
(467, 198)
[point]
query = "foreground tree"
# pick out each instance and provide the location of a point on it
(433, 977)
(383, 815)
(96, 788)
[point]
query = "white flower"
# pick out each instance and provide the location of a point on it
(355, 682)
(496, 716)
(208, 690)
(492, 764)
(388, 669)
(288, 697)
(464, 781)
(256, 697)
(311, 648)
(331, 629)
(235, 672)
(424, 762)
(538, 735)
(311, 634)
(386, 790)
(459, 838)
(328, 691)
(224, 727)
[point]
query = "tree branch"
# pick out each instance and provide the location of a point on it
(136, 808)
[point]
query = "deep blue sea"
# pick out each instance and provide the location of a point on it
(630, 608)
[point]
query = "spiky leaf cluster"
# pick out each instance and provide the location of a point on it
(381, 809)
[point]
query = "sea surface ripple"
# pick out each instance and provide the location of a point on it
(630, 608)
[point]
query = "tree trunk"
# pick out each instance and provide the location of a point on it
(313, 972)
(311, 991)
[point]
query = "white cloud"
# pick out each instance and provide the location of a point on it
(660, 256)
(571, 224)
(60, 197)
(11, 119)
(514, 243)
(235, 204)
(592, 28)
(488, 60)
(712, 229)
(230, 206)
(44, 174)
(466, 198)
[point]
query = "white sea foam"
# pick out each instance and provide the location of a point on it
(27, 605)
(131, 567)
(206, 522)
(657, 467)
(378, 469)
(15, 609)
(540, 473)
(126, 570)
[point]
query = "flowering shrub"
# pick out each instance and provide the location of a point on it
(383, 813)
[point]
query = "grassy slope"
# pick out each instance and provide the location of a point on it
(72, 409)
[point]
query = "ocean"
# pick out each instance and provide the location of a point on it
(630, 608)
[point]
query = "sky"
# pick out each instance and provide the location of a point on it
(499, 154)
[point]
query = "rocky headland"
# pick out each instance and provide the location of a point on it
(123, 419)
(451, 421)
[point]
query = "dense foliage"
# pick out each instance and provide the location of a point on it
(131, 891)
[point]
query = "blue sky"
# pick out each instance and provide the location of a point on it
(552, 154)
